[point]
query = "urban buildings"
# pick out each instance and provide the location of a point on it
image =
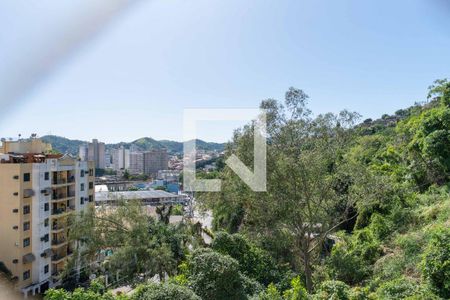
(121, 159)
(136, 163)
(155, 160)
(94, 151)
(38, 192)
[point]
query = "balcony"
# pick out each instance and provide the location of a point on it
(59, 242)
(62, 211)
(58, 228)
(59, 181)
(57, 258)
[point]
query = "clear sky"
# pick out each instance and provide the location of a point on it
(134, 76)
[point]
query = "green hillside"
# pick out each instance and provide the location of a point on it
(64, 145)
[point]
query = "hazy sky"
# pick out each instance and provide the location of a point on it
(136, 75)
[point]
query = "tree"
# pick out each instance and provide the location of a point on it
(309, 183)
(166, 291)
(215, 276)
(137, 243)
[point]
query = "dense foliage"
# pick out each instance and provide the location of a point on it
(352, 211)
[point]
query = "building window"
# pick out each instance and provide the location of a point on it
(26, 177)
(82, 200)
(26, 275)
(91, 185)
(26, 209)
(26, 242)
(82, 187)
(91, 172)
(46, 207)
(46, 269)
(91, 198)
(46, 176)
(82, 173)
(26, 226)
(45, 238)
(46, 222)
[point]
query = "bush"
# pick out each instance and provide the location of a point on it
(297, 291)
(166, 291)
(215, 276)
(271, 293)
(436, 263)
(253, 261)
(398, 288)
(333, 290)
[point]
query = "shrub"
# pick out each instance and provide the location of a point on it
(333, 290)
(166, 291)
(436, 262)
(215, 276)
(297, 291)
(398, 288)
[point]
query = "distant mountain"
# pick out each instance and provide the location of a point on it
(65, 145)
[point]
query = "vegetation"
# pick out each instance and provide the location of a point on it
(352, 211)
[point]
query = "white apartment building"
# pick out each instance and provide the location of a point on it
(38, 192)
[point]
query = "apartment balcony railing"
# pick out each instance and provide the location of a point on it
(59, 196)
(71, 179)
(59, 181)
(56, 227)
(58, 257)
(57, 242)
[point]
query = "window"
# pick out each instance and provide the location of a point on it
(15, 210)
(46, 269)
(26, 209)
(26, 177)
(26, 242)
(91, 172)
(46, 223)
(46, 207)
(82, 200)
(82, 173)
(26, 275)
(82, 187)
(91, 198)
(46, 176)
(91, 185)
(26, 226)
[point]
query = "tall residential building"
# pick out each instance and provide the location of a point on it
(136, 162)
(38, 192)
(121, 159)
(155, 160)
(96, 153)
(83, 152)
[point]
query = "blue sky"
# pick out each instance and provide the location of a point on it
(134, 76)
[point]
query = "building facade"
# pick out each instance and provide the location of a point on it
(38, 192)
(121, 159)
(136, 163)
(154, 161)
(95, 153)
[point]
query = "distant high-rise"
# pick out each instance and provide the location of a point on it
(136, 162)
(83, 152)
(95, 152)
(155, 160)
(121, 159)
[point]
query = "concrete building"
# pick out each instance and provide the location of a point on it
(38, 192)
(121, 159)
(155, 160)
(136, 163)
(83, 152)
(96, 153)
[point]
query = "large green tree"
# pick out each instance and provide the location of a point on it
(309, 183)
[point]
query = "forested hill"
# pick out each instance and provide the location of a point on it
(65, 145)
